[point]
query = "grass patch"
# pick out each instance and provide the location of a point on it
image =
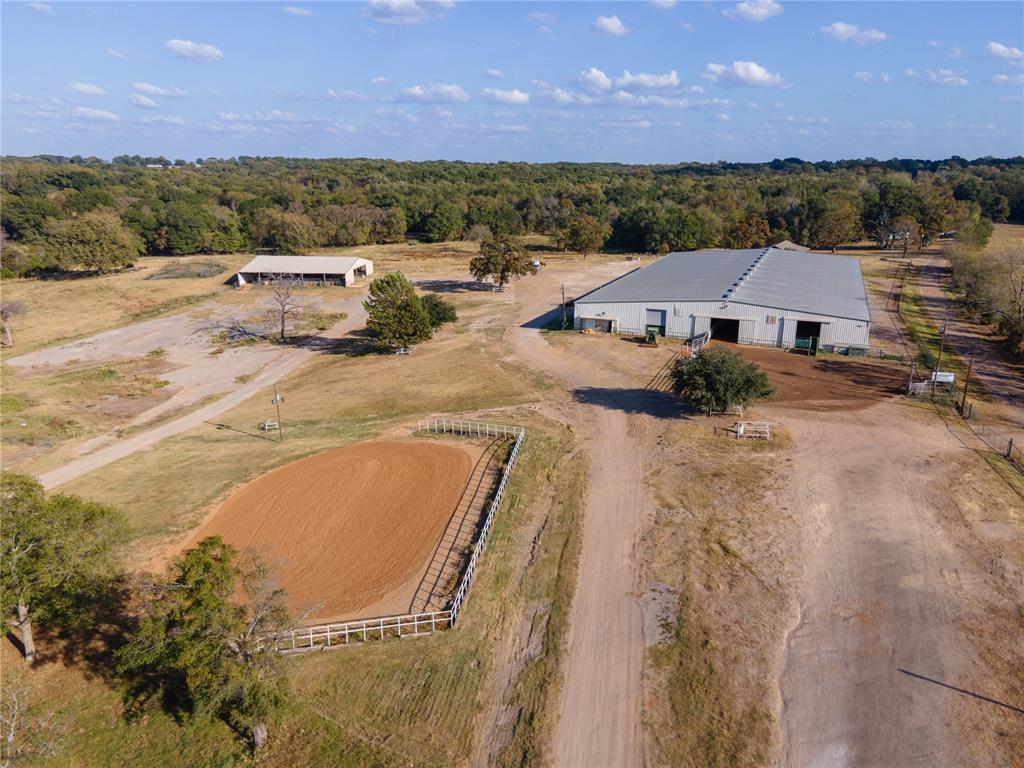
(179, 270)
(708, 704)
(925, 334)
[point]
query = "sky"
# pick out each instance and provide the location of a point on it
(637, 82)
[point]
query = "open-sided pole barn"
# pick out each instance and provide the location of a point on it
(317, 270)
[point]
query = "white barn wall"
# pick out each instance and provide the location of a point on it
(688, 319)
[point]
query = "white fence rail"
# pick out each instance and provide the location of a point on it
(699, 342)
(364, 630)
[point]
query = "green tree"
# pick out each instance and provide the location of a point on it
(444, 223)
(204, 628)
(439, 310)
(718, 378)
(58, 555)
(583, 234)
(93, 241)
(502, 258)
(747, 231)
(395, 314)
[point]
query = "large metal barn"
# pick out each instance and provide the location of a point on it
(764, 296)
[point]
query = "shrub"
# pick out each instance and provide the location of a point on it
(439, 310)
(718, 379)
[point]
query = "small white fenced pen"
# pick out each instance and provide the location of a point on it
(363, 630)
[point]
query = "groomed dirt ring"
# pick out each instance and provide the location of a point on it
(348, 526)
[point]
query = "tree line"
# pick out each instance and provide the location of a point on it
(84, 214)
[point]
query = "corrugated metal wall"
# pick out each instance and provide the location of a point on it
(688, 319)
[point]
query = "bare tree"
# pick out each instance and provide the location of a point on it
(283, 305)
(25, 733)
(8, 311)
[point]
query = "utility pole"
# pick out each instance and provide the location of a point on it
(277, 403)
(565, 320)
(967, 383)
(942, 346)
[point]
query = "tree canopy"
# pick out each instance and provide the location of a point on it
(58, 555)
(396, 316)
(203, 630)
(717, 379)
(502, 258)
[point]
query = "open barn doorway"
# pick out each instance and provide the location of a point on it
(725, 329)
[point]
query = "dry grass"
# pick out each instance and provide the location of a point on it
(58, 311)
(42, 411)
(720, 547)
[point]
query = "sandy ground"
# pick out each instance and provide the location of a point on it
(348, 527)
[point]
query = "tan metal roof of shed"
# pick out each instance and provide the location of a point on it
(302, 265)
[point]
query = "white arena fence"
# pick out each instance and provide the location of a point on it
(363, 630)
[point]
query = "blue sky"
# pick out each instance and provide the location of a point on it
(481, 81)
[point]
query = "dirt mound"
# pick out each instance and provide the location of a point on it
(348, 526)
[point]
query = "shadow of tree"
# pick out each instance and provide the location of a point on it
(453, 286)
(635, 400)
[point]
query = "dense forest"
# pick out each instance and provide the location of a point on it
(85, 214)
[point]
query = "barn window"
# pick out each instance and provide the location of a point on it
(772, 319)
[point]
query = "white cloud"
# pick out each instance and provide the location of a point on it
(293, 11)
(406, 12)
(42, 8)
(936, 43)
(273, 116)
(140, 100)
(843, 32)
(754, 10)
(1008, 79)
(194, 51)
(380, 80)
(868, 77)
(595, 80)
(157, 90)
(625, 98)
(910, 72)
(514, 96)
(629, 124)
(610, 25)
(543, 21)
(163, 120)
(89, 88)
(686, 25)
(510, 127)
(344, 96)
(946, 77)
(662, 5)
(645, 80)
(562, 96)
(955, 52)
(88, 113)
(743, 73)
(114, 54)
(436, 92)
(1001, 51)
(495, 74)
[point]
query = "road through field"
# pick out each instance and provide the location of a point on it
(600, 720)
(272, 372)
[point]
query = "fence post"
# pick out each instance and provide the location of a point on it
(1009, 448)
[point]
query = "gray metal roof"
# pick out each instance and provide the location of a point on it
(817, 283)
(305, 265)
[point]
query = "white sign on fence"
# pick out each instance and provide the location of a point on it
(943, 377)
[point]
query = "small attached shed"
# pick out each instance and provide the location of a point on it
(314, 270)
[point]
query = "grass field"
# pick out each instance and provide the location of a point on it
(58, 311)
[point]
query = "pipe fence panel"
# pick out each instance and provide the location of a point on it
(364, 630)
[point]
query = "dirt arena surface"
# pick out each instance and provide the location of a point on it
(351, 526)
(825, 383)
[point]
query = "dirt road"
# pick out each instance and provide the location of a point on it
(600, 721)
(1001, 378)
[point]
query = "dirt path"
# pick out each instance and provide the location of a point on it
(1002, 379)
(600, 718)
